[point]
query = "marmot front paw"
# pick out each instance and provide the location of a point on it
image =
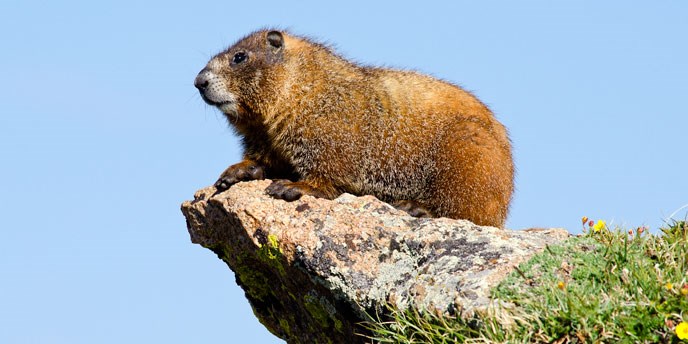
(243, 171)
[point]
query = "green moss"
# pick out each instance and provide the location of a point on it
(271, 254)
(284, 324)
(316, 310)
(338, 325)
(323, 312)
(254, 282)
(272, 242)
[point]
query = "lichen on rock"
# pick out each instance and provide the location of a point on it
(313, 268)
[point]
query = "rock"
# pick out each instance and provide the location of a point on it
(313, 268)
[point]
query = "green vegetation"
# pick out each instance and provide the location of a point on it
(258, 283)
(605, 286)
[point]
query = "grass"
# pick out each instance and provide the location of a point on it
(605, 286)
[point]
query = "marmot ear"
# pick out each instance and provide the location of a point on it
(275, 39)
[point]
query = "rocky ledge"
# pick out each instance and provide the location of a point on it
(312, 269)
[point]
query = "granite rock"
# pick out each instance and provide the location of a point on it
(313, 268)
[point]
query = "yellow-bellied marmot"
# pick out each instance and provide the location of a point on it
(321, 125)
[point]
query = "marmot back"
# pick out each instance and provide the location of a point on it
(320, 125)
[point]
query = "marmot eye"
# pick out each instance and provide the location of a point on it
(239, 57)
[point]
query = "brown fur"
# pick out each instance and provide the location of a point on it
(332, 126)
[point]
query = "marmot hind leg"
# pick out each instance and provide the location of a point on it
(413, 208)
(290, 191)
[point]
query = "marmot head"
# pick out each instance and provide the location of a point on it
(242, 79)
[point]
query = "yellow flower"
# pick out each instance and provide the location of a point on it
(561, 285)
(584, 219)
(669, 286)
(599, 225)
(682, 330)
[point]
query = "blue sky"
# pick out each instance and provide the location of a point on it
(102, 136)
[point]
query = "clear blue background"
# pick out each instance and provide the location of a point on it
(102, 136)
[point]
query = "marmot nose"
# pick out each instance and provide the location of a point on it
(201, 82)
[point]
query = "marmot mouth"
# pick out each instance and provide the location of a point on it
(214, 102)
(228, 106)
